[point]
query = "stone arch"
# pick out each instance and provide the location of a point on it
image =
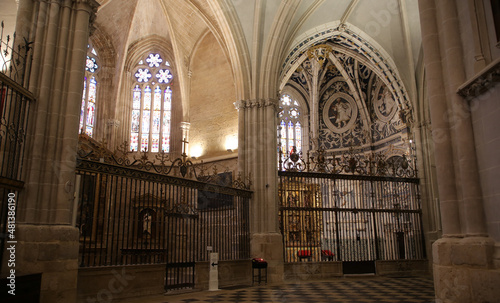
(107, 91)
(232, 39)
(297, 95)
(344, 43)
(135, 51)
(273, 50)
(350, 40)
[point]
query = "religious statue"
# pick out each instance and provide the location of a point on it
(342, 112)
(146, 223)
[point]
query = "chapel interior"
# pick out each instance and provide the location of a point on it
(300, 139)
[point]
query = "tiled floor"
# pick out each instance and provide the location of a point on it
(347, 289)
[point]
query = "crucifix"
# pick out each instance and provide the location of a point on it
(185, 140)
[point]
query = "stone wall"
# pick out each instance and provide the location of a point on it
(487, 140)
(52, 251)
(109, 284)
(213, 116)
(402, 267)
(231, 273)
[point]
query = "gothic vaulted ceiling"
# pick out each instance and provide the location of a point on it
(251, 32)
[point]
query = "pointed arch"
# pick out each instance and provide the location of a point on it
(234, 42)
(352, 41)
(138, 51)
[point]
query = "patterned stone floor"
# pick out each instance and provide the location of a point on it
(348, 289)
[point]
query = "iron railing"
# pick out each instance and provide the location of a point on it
(129, 216)
(350, 162)
(15, 101)
(326, 217)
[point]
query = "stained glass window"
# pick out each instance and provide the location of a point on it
(151, 105)
(143, 75)
(164, 76)
(89, 94)
(290, 126)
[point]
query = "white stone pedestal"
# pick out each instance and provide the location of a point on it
(213, 277)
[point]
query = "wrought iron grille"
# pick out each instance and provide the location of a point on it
(351, 162)
(15, 101)
(128, 216)
(333, 217)
(15, 57)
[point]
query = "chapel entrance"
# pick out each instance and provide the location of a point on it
(356, 219)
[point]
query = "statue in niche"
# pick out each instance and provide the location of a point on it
(308, 199)
(146, 223)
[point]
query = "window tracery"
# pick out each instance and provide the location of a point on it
(151, 105)
(290, 126)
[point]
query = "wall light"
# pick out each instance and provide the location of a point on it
(196, 151)
(231, 143)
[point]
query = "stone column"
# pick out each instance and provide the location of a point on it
(460, 121)
(314, 95)
(124, 108)
(257, 150)
(112, 126)
(463, 258)
(47, 243)
(440, 128)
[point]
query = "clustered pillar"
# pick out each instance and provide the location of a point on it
(464, 253)
(258, 155)
(47, 242)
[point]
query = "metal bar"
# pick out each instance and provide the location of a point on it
(17, 87)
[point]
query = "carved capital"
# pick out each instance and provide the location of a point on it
(91, 7)
(240, 104)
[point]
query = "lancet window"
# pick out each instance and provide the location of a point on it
(151, 105)
(89, 95)
(290, 126)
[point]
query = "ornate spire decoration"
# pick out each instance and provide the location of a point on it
(94, 152)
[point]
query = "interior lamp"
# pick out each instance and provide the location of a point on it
(196, 151)
(231, 143)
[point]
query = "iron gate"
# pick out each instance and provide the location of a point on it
(349, 218)
(129, 216)
(182, 237)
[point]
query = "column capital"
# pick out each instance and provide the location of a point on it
(243, 104)
(91, 4)
(91, 7)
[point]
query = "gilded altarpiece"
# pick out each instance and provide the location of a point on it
(302, 218)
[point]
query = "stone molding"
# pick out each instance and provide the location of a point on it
(113, 122)
(92, 4)
(259, 103)
(480, 83)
